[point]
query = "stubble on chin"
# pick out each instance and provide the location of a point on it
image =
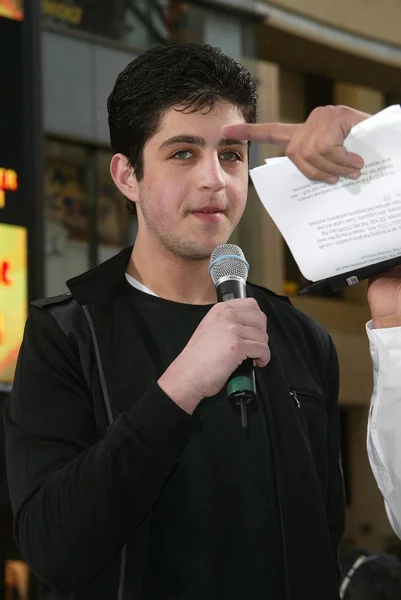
(184, 246)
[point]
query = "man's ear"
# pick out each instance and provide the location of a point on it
(124, 177)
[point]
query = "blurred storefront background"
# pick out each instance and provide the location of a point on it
(303, 53)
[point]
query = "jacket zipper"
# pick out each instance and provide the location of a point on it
(294, 396)
(308, 398)
(107, 404)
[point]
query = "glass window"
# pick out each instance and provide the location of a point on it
(86, 220)
(66, 201)
(140, 23)
(67, 210)
(143, 23)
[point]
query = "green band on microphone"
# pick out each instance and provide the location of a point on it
(239, 384)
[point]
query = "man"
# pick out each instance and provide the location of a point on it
(130, 474)
(317, 148)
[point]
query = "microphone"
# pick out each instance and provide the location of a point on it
(229, 269)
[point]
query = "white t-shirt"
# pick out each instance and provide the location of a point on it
(138, 285)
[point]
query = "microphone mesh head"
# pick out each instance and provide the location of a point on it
(227, 260)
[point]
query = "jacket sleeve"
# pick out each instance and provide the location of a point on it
(336, 496)
(77, 499)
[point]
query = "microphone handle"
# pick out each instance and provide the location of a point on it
(241, 386)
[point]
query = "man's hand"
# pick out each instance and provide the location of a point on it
(316, 146)
(231, 332)
(384, 297)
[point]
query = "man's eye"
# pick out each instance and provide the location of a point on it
(231, 156)
(182, 154)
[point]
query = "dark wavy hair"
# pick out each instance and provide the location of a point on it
(193, 76)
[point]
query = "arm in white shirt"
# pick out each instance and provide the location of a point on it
(384, 425)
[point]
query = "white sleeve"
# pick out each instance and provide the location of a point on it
(384, 424)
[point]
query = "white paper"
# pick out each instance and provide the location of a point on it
(333, 229)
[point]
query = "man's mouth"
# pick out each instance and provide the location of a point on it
(211, 214)
(208, 210)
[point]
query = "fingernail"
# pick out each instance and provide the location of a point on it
(332, 179)
(354, 175)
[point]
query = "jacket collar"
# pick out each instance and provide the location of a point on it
(99, 285)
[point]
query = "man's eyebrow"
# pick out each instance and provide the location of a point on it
(184, 139)
(199, 141)
(232, 142)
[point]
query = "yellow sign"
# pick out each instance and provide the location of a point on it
(13, 296)
(64, 12)
(8, 183)
(11, 9)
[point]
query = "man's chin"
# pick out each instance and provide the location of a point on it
(198, 247)
(199, 253)
(208, 248)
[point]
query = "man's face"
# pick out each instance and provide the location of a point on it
(195, 183)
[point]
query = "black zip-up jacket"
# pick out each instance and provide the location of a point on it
(85, 466)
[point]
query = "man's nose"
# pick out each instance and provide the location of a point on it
(211, 174)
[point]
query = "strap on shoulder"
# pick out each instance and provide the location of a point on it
(43, 302)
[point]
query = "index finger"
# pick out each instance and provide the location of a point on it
(270, 133)
(242, 303)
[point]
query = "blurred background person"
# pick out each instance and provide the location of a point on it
(370, 576)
